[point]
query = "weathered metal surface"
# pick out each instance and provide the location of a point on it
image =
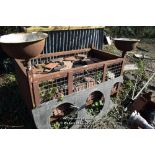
(61, 44)
(23, 84)
(30, 81)
(104, 72)
(23, 45)
(125, 44)
(70, 82)
(63, 53)
(35, 78)
(36, 93)
(42, 113)
(67, 40)
(41, 77)
(58, 28)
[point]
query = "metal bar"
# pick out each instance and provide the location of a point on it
(19, 63)
(49, 76)
(60, 41)
(104, 72)
(70, 82)
(85, 39)
(46, 46)
(73, 42)
(53, 43)
(63, 53)
(36, 93)
(95, 38)
(101, 53)
(100, 39)
(89, 43)
(23, 84)
(91, 39)
(73, 39)
(76, 40)
(122, 69)
(57, 43)
(82, 36)
(63, 41)
(30, 79)
(67, 40)
(49, 42)
(42, 77)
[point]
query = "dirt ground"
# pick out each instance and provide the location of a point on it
(14, 114)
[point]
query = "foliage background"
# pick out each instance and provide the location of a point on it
(113, 31)
(131, 31)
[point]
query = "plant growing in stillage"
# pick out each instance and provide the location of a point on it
(141, 76)
(48, 94)
(49, 91)
(64, 122)
(95, 108)
(99, 76)
(141, 70)
(64, 116)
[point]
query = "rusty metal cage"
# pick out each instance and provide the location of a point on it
(38, 87)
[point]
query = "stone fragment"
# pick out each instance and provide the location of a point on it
(82, 56)
(130, 67)
(59, 60)
(71, 58)
(68, 65)
(51, 65)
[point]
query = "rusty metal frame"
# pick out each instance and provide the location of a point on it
(63, 53)
(34, 79)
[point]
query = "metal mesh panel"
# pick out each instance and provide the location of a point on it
(95, 77)
(113, 71)
(67, 40)
(53, 89)
(58, 87)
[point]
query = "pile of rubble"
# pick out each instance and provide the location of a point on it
(65, 63)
